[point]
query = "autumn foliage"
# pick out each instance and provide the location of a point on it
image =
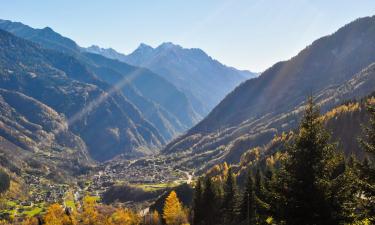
(173, 212)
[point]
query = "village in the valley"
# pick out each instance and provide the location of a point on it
(139, 173)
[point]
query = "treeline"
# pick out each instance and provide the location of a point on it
(312, 184)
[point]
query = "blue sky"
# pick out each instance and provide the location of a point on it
(247, 34)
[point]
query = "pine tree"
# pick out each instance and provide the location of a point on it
(248, 208)
(198, 204)
(210, 201)
(346, 186)
(229, 205)
(262, 207)
(309, 172)
(368, 168)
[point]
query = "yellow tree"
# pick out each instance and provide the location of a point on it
(124, 217)
(30, 221)
(56, 216)
(90, 215)
(155, 218)
(173, 212)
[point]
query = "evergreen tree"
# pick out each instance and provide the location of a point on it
(210, 201)
(262, 207)
(198, 204)
(346, 187)
(309, 172)
(229, 205)
(248, 208)
(368, 168)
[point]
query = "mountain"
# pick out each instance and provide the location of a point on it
(344, 123)
(159, 102)
(27, 130)
(149, 84)
(46, 36)
(106, 52)
(204, 81)
(104, 119)
(334, 68)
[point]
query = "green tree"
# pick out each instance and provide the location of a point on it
(198, 204)
(210, 201)
(248, 208)
(309, 173)
(230, 204)
(368, 169)
(347, 189)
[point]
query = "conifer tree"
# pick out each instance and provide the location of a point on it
(248, 208)
(229, 204)
(198, 203)
(346, 186)
(155, 218)
(262, 207)
(210, 201)
(173, 212)
(90, 214)
(56, 216)
(309, 172)
(368, 168)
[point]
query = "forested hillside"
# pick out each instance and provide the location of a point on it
(335, 68)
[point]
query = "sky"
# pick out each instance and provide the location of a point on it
(246, 34)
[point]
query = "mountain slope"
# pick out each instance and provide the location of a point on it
(64, 84)
(328, 61)
(27, 130)
(167, 109)
(344, 122)
(204, 80)
(150, 85)
(262, 107)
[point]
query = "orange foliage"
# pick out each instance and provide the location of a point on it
(173, 212)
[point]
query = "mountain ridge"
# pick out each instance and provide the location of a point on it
(175, 63)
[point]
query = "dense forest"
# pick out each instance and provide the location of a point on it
(311, 183)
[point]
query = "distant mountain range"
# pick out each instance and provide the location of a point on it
(109, 106)
(202, 79)
(334, 69)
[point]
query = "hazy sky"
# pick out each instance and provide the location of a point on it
(247, 34)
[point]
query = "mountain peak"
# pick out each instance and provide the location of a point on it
(168, 45)
(144, 46)
(49, 30)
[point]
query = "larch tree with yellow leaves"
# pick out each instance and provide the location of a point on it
(56, 216)
(173, 212)
(155, 218)
(90, 215)
(124, 217)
